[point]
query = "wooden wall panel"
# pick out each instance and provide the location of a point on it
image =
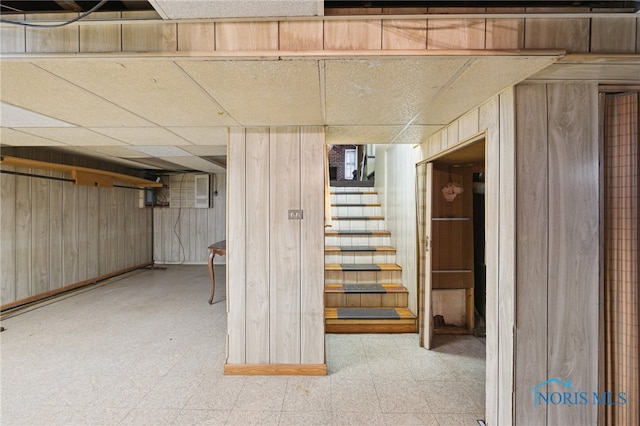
(7, 236)
(40, 236)
(573, 243)
(93, 242)
(148, 37)
(505, 33)
(571, 34)
(24, 202)
(533, 250)
(103, 232)
(613, 35)
(506, 255)
(101, 38)
(197, 37)
(284, 244)
(247, 36)
(62, 39)
(82, 232)
(70, 221)
(236, 247)
(13, 37)
(468, 124)
(404, 34)
(55, 226)
(456, 34)
(312, 246)
(489, 119)
(257, 253)
(301, 35)
(356, 35)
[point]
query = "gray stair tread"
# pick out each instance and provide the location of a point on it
(349, 313)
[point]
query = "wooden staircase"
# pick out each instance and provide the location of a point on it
(363, 284)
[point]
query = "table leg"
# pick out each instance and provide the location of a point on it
(213, 281)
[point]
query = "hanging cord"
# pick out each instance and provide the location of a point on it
(71, 21)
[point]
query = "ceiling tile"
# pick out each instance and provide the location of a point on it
(415, 134)
(13, 116)
(202, 135)
(196, 163)
(156, 90)
(263, 93)
(13, 137)
(384, 91)
(29, 87)
(77, 136)
(186, 9)
(141, 135)
(338, 135)
(206, 150)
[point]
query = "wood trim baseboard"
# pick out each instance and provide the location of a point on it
(275, 369)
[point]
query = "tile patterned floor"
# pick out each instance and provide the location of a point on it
(147, 349)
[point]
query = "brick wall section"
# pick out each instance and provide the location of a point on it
(336, 159)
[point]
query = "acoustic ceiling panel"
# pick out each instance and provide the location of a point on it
(76, 136)
(141, 135)
(190, 9)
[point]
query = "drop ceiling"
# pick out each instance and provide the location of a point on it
(117, 107)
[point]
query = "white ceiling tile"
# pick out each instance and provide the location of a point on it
(187, 9)
(13, 116)
(202, 135)
(141, 135)
(161, 151)
(263, 93)
(29, 87)
(76, 136)
(118, 151)
(206, 150)
(338, 135)
(415, 134)
(13, 137)
(196, 163)
(156, 90)
(384, 91)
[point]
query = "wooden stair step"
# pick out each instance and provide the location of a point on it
(357, 232)
(357, 218)
(356, 205)
(369, 320)
(365, 288)
(339, 249)
(362, 267)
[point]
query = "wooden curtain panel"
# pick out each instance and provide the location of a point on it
(621, 256)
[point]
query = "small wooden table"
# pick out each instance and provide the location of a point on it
(219, 248)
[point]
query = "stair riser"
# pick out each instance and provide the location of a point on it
(367, 326)
(354, 198)
(365, 240)
(351, 257)
(366, 300)
(360, 277)
(356, 211)
(358, 225)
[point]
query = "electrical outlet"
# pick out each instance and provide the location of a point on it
(295, 215)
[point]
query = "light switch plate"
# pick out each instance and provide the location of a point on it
(295, 215)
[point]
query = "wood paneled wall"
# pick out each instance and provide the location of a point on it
(496, 119)
(275, 267)
(395, 183)
(575, 35)
(182, 235)
(55, 234)
(558, 260)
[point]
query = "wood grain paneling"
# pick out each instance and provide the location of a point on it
(505, 33)
(455, 34)
(404, 34)
(236, 246)
(247, 36)
(197, 37)
(507, 255)
(533, 251)
(613, 35)
(12, 37)
(61, 39)
(468, 124)
(101, 38)
(365, 35)
(301, 35)
(489, 119)
(155, 37)
(573, 243)
(312, 246)
(93, 243)
(70, 221)
(571, 34)
(7, 236)
(285, 267)
(257, 252)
